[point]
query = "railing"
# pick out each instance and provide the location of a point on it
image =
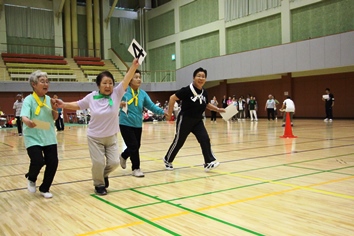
(31, 49)
(158, 76)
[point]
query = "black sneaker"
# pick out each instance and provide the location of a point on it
(106, 182)
(101, 190)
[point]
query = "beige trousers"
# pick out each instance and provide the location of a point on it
(104, 156)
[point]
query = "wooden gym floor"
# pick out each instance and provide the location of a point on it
(265, 185)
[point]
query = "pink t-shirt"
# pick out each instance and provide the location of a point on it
(104, 120)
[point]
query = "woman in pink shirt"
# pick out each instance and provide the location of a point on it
(104, 124)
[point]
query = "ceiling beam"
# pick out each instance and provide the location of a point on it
(111, 12)
(60, 10)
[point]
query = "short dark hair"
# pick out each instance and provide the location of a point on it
(104, 74)
(138, 71)
(200, 70)
(328, 89)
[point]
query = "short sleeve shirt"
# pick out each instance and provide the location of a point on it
(34, 136)
(18, 107)
(104, 120)
(330, 100)
(189, 107)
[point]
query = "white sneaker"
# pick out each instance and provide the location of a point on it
(211, 165)
(330, 120)
(123, 162)
(168, 165)
(47, 194)
(325, 120)
(31, 186)
(138, 173)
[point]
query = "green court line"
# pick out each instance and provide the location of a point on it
(143, 205)
(199, 213)
(136, 216)
(236, 172)
(126, 210)
(331, 170)
(225, 190)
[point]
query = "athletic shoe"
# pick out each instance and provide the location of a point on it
(123, 162)
(47, 194)
(31, 186)
(325, 120)
(211, 165)
(106, 182)
(138, 173)
(101, 190)
(330, 120)
(168, 165)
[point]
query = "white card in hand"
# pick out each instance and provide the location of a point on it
(230, 111)
(41, 124)
(137, 51)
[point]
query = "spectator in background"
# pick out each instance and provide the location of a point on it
(329, 103)
(224, 102)
(288, 107)
(252, 105)
(59, 123)
(17, 107)
(269, 107)
(229, 101)
(275, 108)
(241, 108)
(213, 113)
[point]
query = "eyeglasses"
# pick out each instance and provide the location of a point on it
(43, 81)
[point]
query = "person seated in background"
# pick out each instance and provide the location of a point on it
(2, 119)
(146, 116)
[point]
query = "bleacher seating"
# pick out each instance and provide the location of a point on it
(38, 56)
(90, 63)
(20, 66)
(33, 60)
(90, 66)
(77, 58)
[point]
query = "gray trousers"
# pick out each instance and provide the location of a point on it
(104, 156)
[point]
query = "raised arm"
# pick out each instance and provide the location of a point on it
(129, 75)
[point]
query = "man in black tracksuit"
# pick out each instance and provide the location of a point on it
(190, 120)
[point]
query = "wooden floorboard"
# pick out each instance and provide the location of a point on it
(265, 185)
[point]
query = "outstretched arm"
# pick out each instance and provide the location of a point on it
(214, 108)
(67, 105)
(129, 75)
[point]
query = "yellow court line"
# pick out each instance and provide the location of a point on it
(294, 188)
(288, 190)
(234, 202)
(112, 228)
(282, 183)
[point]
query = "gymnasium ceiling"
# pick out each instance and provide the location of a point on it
(132, 5)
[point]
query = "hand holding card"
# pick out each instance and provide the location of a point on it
(137, 51)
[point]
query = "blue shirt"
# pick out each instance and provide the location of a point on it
(35, 136)
(134, 118)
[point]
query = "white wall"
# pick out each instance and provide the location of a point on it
(314, 54)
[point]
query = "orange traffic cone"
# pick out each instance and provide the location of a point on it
(288, 132)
